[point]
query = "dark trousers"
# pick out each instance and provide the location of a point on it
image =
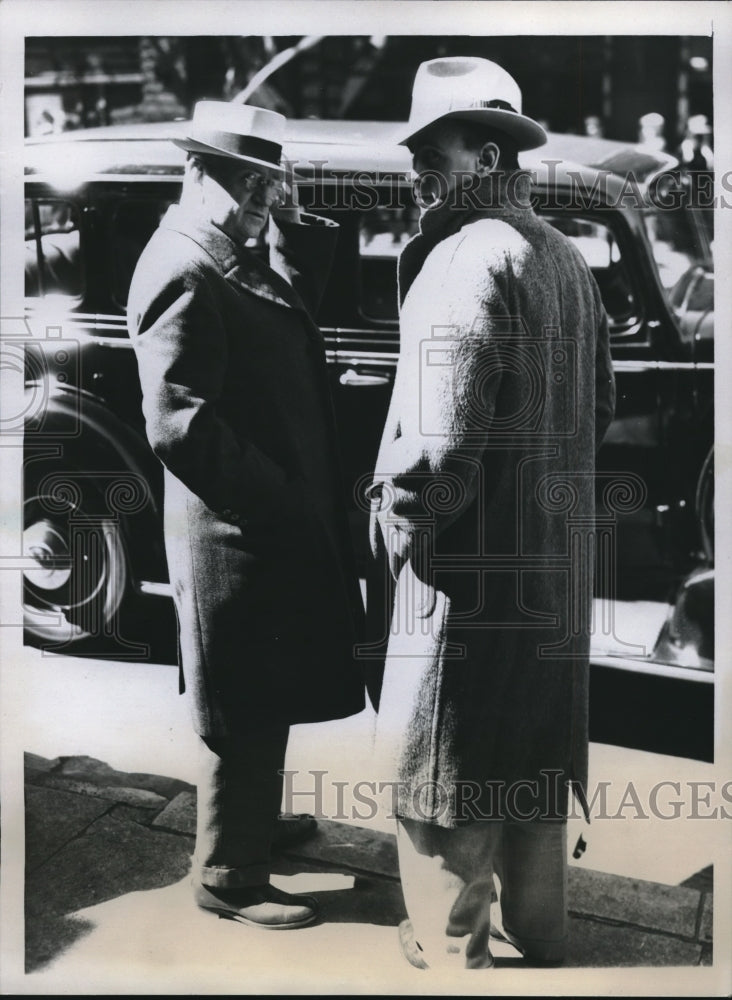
(239, 798)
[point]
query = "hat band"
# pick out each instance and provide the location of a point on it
(497, 104)
(240, 145)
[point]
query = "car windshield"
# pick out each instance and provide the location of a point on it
(682, 240)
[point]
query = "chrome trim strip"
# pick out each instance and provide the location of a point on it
(361, 331)
(350, 358)
(379, 345)
(100, 177)
(76, 320)
(33, 308)
(652, 667)
(348, 351)
(629, 367)
(626, 365)
(114, 342)
(155, 589)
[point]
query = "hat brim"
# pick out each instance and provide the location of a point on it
(195, 146)
(527, 133)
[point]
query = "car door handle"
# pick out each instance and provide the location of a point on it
(352, 377)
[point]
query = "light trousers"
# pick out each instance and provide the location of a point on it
(447, 881)
(239, 798)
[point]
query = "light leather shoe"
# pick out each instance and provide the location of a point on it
(258, 906)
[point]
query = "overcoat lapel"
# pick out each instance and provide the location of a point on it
(241, 266)
(249, 272)
(237, 263)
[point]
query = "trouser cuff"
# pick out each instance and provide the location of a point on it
(220, 877)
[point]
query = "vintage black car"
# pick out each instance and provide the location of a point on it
(92, 487)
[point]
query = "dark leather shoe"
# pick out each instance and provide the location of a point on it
(258, 906)
(292, 829)
(410, 948)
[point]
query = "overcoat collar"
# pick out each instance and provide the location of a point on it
(236, 262)
(498, 196)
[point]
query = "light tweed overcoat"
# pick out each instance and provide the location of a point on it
(238, 409)
(503, 391)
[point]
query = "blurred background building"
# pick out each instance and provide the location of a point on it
(598, 84)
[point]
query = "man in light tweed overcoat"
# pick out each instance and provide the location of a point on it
(483, 507)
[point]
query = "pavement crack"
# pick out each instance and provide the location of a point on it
(699, 915)
(77, 836)
(614, 922)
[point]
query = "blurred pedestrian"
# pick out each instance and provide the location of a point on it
(650, 132)
(593, 126)
(503, 391)
(237, 407)
(696, 162)
(695, 152)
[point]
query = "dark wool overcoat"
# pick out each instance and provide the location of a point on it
(504, 389)
(237, 407)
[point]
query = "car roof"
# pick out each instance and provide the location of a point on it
(144, 150)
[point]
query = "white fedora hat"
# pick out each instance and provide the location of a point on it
(241, 131)
(473, 89)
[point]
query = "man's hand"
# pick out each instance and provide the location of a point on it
(374, 535)
(402, 547)
(395, 532)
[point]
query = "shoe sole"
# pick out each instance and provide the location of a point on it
(240, 919)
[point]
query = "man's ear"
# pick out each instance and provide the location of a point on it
(488, 158)
(194, 168)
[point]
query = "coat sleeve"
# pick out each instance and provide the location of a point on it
(604, 375)
(302, 253)
(181, 347)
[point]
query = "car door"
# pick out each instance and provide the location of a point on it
(360, 322)
(650, 431)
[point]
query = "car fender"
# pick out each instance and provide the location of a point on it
(687, 637)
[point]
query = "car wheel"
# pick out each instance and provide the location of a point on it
(78, 577)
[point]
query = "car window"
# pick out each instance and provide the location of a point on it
(384, 232)
(682, 241)
(382, 235)
(131, 226)
(597, 244)
(701, 297)
(52, 250)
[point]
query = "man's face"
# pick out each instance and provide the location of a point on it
(441, 155)
(239, 196)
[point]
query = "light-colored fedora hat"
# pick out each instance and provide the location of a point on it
(241, 131)
(472, 89)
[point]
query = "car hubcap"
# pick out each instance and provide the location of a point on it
(75, 581)
(44, 543)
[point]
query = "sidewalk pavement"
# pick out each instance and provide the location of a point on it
(107, 895)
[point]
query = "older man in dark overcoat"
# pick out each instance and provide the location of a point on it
(483, 519)
(237, 407)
